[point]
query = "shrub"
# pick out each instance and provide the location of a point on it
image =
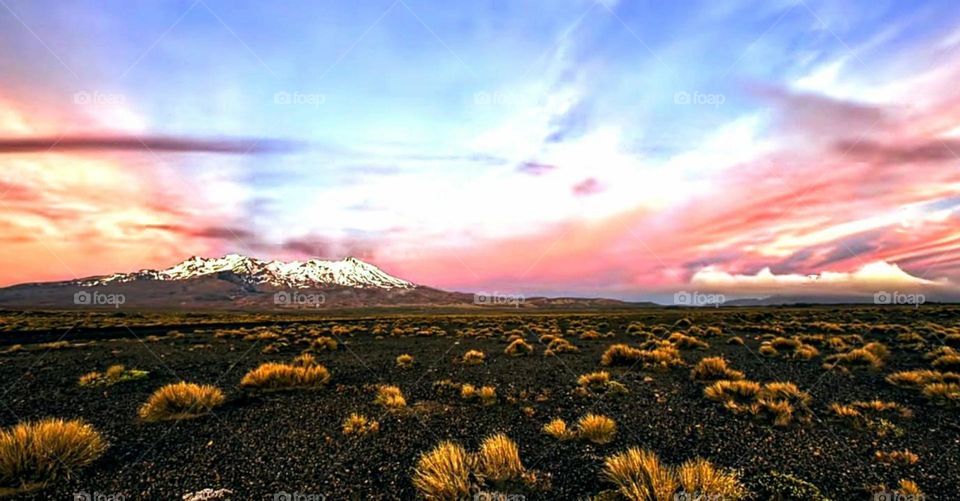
(390, 397)
(596, 428)
(113, 375)
(273, 376)
(488, 395)
(558, 429)
(698, 477)
(443, 473)
(902, 458)
(499, 459)
(358, 424)
(942, 392)
(594, 379)
(682, 340)
(405, 361)
(947, 363)
(473, 357)
(518, 348)
(714, 368)
(324, 343)
(38, 452)
(640, 476)
(560, 345)
(181, 401)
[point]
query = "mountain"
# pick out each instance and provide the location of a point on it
(240, 282)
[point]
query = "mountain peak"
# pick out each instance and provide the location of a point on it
(315, 273)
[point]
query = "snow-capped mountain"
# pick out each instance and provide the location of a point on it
(315, 273)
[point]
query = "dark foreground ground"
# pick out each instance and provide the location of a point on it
(261, 446)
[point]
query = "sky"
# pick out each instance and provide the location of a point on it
(627, 149)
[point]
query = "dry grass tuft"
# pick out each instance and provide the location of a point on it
(113, 375)
(558, 429)
(405, 361)
(468, 391)
(776, 401)
(921, 377)
(596, 428)
(488, 395)
(304, 360)
(560, 345)
(714, 368)
(901, 458)
(942, 392)
(358, 424)
(38, 452)
(390, 397)
(473, 357)
(857, 357)
(443, 473)
(947, 363)
(181, 401)
(911, 489)
(594, 379)
(681, 340)
(273, 376)
(499, 459)
(324, 343)
(640, 476)
(699, 477)
(662, 356)
(518, 348)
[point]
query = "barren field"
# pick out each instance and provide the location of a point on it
(846, 428)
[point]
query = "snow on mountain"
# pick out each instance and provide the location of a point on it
(349, 272)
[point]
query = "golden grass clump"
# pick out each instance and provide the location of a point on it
(443, 473)
(499, 459)
(390, 397)
(468, 391)
(775, 401)
(324, 343)
(947, 363)
(682, 340)
(405, 361)
(518, 347)
(700, 477)
(910, 488)
(488, 395)
(640, 476)
(473, 357)
(597, 428)
(113, 375)
(733, 394)
(38, 452)
(735, 340)
(594, 379)
(921, 377)
(662, 356)
(857, 357)
(273, 376)
(358, 424)
(942, 392)
(902, 458)
(304, 360)
(714, 368)
(560, 345)
(181, 401)
(558, 429)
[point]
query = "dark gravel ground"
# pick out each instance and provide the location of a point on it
(262, 445)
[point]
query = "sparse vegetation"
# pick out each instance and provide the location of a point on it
(596, 428)
(405, 361)
(113, 375)
(519, 347)
(558, 429)
(443, 473)
(390, 397)
(38, 452)
(474, 357)
(358, 424)
(273, 376)
(712, 369)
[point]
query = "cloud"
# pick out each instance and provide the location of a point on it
(589, 186)
(870, 278)
(166, 144)
(938, 150)
(535, 168)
